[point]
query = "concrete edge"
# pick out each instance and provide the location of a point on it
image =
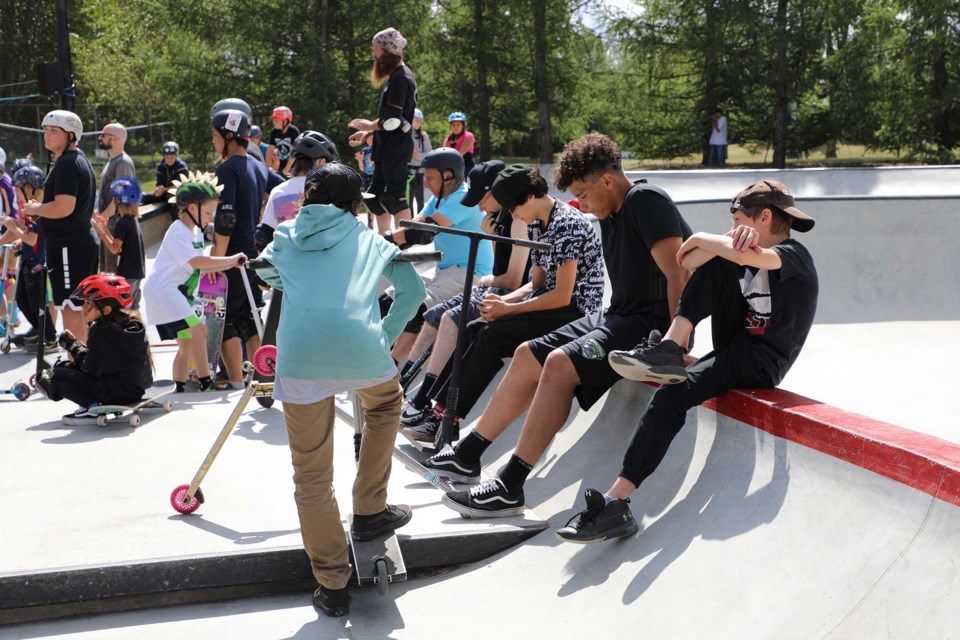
(921, 461)
(85, 590)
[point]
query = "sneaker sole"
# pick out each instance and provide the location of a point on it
(412, 422)
(453, 475)
(333, 612)
(468, 512)
(416, 435)
(367, 536)
(609, 535)
(642, 372)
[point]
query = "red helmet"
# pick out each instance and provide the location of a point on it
(104, 287)
(284, 113)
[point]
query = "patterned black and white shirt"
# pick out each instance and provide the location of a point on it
(573, 238)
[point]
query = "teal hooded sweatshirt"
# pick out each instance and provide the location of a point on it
(328, 266)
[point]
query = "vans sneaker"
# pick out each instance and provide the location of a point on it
(489, 499)
(448, 463)
(653, 360)
(600, 521)
(81, 416)
(373, 526)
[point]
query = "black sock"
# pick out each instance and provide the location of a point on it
(204, 382)
(406, 367)
(181, 386)
(515, 474)
(472, 446)
(423, 393)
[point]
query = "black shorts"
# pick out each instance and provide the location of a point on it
(588, 342)
(68, 266)
(452, 307)
(239, 321)
(390, 184)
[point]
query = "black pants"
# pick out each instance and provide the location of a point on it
(713, 290)
(491, 343)
(29, 300)
(77, 386)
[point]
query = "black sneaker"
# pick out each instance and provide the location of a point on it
(489, 499)
(652, 360)
(29, 337)
(80, 417)
(448, 463)
(410, 416)
(427, 430)
(369, 527)
(333, 602)
(600, 521)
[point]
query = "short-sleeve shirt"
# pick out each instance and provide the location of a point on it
(283, 141)
(167, 173)
(456, 249)
(32, 255)
(131, 263)
(398, 100)
(647, 216)
(72, 175)
(169, 289)
(781, 305)
(284, 202)
(244, 182)
(573, 238)
(119, 166)
(503, 227)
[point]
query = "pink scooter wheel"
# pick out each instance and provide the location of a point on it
(176, 500)
(265, 360)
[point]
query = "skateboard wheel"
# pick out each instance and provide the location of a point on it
(102, 420)
(265, 360)
(134, 419)
(21, 391)
(383, 581)
(168, 406)
(176, 500)
(33, 381)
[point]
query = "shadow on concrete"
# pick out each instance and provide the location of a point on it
(238, 537)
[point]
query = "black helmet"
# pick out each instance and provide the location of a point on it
(232, 103)
(444, 159)
(30, 175)
(237, 122)
(315, 145)
(170, 147)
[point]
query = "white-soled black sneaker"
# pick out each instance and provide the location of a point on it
(447, 463)
(600, 521)
(653, 360)
(81, 416)
(427, 430)
(410, 416)
(489, 499)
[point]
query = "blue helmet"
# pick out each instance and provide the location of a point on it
(457, 116)
(126, 190)
(20, 163)
(29, 175)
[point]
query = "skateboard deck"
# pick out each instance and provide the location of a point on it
(378, 561)
(105, 411)
(413, 459)
(270, 338)
(210, 305)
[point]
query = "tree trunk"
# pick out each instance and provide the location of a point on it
(781, 100)
(541, 87)
(481, 49)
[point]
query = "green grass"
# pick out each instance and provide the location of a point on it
(742, 158)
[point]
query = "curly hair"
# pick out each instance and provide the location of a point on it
(587, 156)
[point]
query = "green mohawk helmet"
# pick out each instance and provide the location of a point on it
(195, 187)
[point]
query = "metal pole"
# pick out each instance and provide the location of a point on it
(63, 48)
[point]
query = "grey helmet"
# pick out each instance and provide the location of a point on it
(315, 145)
(232, 103)
(170, 147)
(444, 159)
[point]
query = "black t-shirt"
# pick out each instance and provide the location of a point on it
(781, 305)
(131, 254)
(398, 100)
(244, 182)
(647, 216)
(72, 175)
(502, 251)
(283, 141)
(167, 173)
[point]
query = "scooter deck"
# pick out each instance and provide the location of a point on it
(378, 561)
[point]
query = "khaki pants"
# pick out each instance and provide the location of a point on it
(310, 431)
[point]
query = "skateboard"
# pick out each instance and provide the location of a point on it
(378, 561)
(269, 339)
(413, 459)
(114, 412)
(210, 305)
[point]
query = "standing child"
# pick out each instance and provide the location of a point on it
(126, 238)
(170, 288)
(114, 366)
(331, 338)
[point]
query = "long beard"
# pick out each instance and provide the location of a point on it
(382, 67)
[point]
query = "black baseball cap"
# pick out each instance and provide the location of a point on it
(480, 180)
(335, 182)
(776, 194)
(512, 182)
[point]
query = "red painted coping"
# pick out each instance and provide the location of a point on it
(915, 459)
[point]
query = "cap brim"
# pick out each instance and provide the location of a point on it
(367, 196)
(799, 220)
(472, 199)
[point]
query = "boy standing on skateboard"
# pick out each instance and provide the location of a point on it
(331, 339)
(759, 287)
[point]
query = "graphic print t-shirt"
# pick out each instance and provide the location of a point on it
(284, 202)
(283, 141)
(169, 289)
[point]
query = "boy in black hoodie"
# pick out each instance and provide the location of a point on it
(114, 367)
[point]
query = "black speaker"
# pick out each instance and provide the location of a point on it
(49, 78)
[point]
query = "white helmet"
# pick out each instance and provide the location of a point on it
(66, 120)
(3, 158)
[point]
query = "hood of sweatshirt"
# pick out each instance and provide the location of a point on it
(319, 227)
